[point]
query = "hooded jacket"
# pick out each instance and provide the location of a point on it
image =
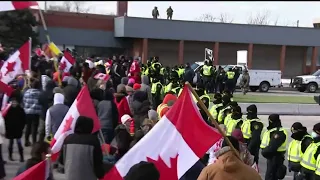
(107, 112)
(55, 114)
(71, 91)
(228, 167)
(145, 86)
(46, 98)
(82, 154)
(140, 106)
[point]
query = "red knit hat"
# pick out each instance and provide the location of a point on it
(136, 86)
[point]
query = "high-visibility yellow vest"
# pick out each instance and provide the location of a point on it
(246, 128)
(221, 115)
(168, 87)
(308, 161)
(227, 118)
(230, 74)
(205, 96)
(318, 166)
(154, 65)
(232, 123)
(162, 71)
(180, 72)
(294, 150)
(146, 72)
(207, 70)
(154, 87)
(213, 110)
(266, 139)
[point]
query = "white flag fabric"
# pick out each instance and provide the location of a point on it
(172, 144)
(66, 62)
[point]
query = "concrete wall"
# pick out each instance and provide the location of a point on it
(83, 37)
(215, 32)
(166, 50)
(266, 57)
(228, 52)
(194, 51)
(294, 61)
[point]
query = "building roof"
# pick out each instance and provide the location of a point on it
(134, 27)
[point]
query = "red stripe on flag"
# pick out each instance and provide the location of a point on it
(191, 125)
(36, 172)
(69, 57)
(25, 55)
(23, 4)
(6, 89)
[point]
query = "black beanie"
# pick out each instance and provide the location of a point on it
(143, 170)
(252, 109)
(274, 118)
(234, 142)
(316, 128)
(226, 99)
(297, 126)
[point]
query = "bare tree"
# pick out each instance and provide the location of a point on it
(57, 8)
(261, 18)
(206, 18)
(79, 7)
(68, 5)
(225, 18)
(276, 21)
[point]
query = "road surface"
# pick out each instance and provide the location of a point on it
(287, 121)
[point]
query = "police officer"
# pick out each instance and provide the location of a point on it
(317, 172)
(220, 80)
(309, 158)
(251, 130)
(230, 80)
(301, 140)
(221, 110)
(217, 102)
(273, 148)
(207, 72)
(235, 120)
(157, 92)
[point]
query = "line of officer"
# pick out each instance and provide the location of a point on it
(309, 158)
(235, 120)
(297, 147)
(251, 130)
(273, 148)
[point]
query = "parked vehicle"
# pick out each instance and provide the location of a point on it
(260, 80)
(309, 83)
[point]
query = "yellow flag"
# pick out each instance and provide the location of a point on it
(54, 49)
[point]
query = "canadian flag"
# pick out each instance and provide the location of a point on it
(40, 171)
(177, 147)
(66, 62)
(101, 76)
(17, 63)
(15, 5)
(82, 106)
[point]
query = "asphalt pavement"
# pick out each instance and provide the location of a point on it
(287, 121)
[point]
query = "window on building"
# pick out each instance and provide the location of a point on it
(86, 51)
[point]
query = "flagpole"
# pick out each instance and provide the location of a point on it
(48, 39)
(48, 164)
(205, 109)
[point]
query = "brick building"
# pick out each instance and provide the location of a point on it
(293, 50)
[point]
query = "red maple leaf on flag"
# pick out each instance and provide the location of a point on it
(67, 125)
(10, 67)
(166, 173)
(63, 65)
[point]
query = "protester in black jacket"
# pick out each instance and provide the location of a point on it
(188, 74)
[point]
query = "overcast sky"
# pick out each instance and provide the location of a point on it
(287, 13)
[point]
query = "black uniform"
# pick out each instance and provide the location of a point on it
(275, 159)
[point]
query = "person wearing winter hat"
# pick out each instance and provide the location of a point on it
(221, 110)
(153, 115)
(167, 102)
(143, 170)
(245, 155)
(297, 147)
(273, 148)
(228, 165)
(251, 129)
(129, 123)
(235, 120)
(136, 87)
(309, 165)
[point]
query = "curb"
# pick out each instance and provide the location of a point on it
(284, 109)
